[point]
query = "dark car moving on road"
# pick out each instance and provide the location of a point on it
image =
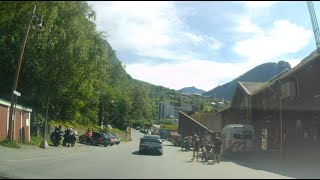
(98, 138)
(151, 143)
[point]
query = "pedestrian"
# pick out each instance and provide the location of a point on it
(202, 142)
(88, 135)
(217, 148)
(196, 145)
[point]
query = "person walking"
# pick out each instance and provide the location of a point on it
(196, 145)
(217, 148)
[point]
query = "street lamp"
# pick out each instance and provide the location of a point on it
(39, 27)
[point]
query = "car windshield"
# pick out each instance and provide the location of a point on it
(179, 89)
(105, 135)
(111, 135)
(151, 137)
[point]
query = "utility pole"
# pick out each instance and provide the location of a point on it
(16, 79)
(315, 26)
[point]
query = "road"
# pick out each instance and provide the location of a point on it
(123, 161)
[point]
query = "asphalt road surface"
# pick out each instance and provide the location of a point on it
(123, 161)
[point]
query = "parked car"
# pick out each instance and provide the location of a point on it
(150, 143)
(117, 140)
(98, 138)
(111, 137)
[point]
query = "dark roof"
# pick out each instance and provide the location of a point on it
(196, 122)
(250, 87)
(314, 56)
(8, 104)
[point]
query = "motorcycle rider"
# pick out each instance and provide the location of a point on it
(67, 137)
(57, 135)
(185, 143)
(73, 136)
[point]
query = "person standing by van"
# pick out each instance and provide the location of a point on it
(217, 148)
(196, 144)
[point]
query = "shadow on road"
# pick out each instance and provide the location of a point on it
(271, 163)
(148, 154)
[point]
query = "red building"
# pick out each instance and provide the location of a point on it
(21, 122)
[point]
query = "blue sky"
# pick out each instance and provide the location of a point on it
(204, 44)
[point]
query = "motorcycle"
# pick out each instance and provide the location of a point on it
(202, 153)
(73, 137)
(209, 153)
(56, 137)
(70, 139)
(186, 144)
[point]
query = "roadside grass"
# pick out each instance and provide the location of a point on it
(36, 141)
(120, 134)
(169, 127)
(10, 144)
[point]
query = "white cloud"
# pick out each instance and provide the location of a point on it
(247, 26)
(193, 37)
(258, 4)
(149, 29)
(293, 62)
(214, 44)
(154, 30)
(284, 37)
(202, 74)
(138, 25)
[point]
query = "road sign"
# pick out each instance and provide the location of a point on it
(16, 93)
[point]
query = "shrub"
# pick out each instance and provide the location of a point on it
(10, 144)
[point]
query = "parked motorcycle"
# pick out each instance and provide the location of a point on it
(56, 137)
(70, 138)
(74, 137)
(209, 153)
(186, 144)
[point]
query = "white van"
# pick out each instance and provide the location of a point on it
(237, 137)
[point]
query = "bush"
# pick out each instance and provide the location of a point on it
(167, 121)
(169, 127)
(10, 144)
(34, 140)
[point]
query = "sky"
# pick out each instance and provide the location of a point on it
(203, 44)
